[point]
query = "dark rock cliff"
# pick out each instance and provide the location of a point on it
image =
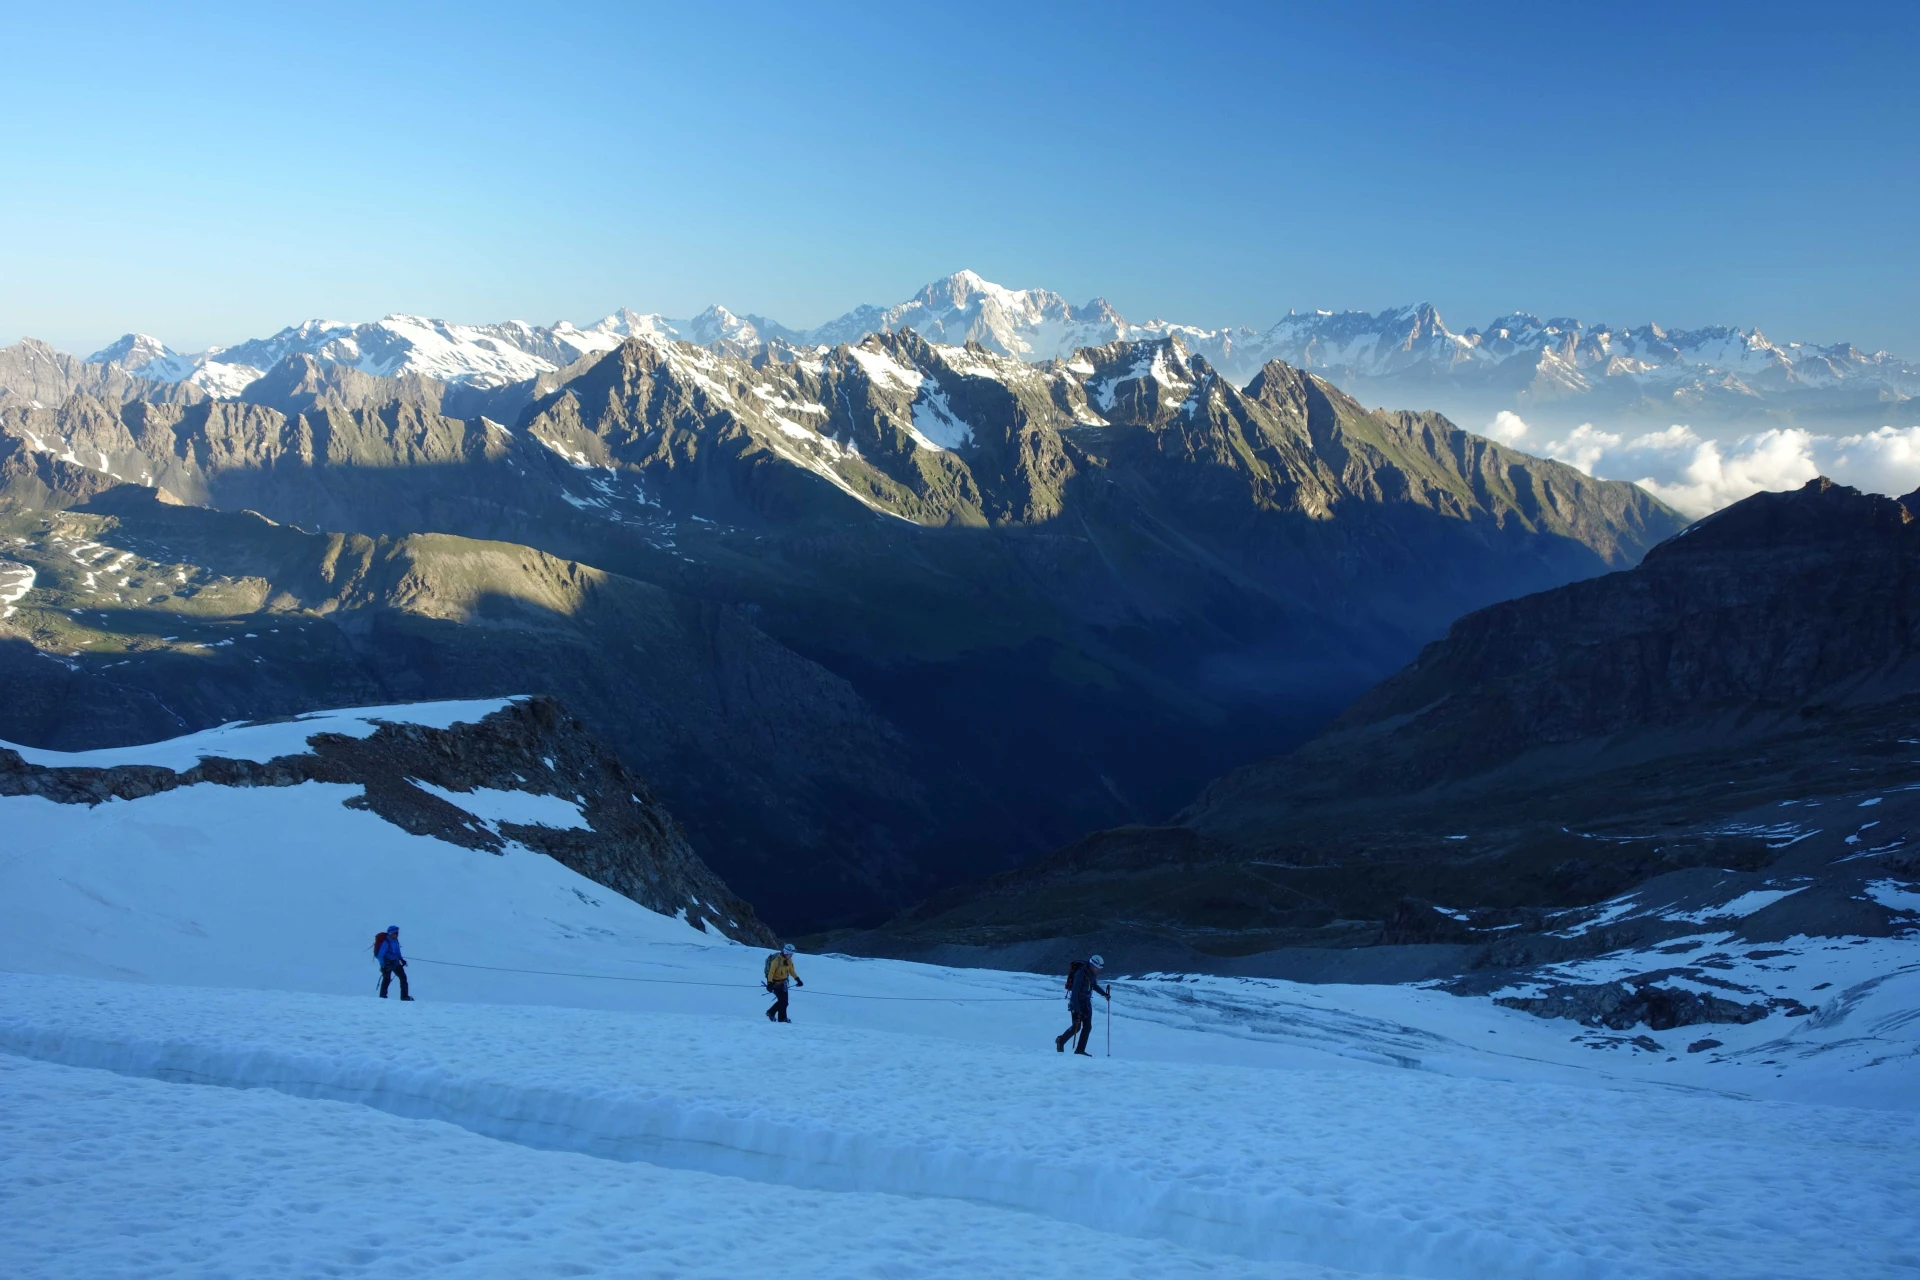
(1770, 602)
(1551, 751)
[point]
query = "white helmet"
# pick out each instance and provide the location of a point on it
(1096, 962)
(787, 950)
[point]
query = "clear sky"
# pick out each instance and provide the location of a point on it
(209, 173)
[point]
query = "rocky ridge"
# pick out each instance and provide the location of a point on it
(630, 843)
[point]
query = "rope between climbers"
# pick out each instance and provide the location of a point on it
(738, 986)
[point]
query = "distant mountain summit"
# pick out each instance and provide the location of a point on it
(147, 357)
(1406, 355)
(1032, 324)
(480, 355)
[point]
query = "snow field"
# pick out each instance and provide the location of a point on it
(1395, 1172)
(282, 888)
(279, 887)
(210, 1181)
(586, 1086)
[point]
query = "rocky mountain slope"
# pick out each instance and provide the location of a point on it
(1555, 370)
(1733, 717)
(146, 619)
(1047, 598)
(485, 776)
(33, 374)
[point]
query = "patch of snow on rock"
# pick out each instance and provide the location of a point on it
(523, 807)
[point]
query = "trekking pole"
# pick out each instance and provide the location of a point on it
(1109, 1019)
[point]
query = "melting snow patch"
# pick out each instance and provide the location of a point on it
(1613, 911)
(789, 427)
(884, 371)
(934, 420)
(522, 807)
(574, 457)
(1894, 895)
(964, 362)
(1739, 908)
(15, 581)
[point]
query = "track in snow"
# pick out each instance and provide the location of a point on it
(1396, 1172)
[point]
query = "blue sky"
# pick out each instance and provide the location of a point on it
(208, 173)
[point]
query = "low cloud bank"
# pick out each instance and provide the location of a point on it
(1698, 476)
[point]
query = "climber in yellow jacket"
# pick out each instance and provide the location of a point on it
(779, 972)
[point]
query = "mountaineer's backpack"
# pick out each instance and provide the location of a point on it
(1073, 969)
(378, 940)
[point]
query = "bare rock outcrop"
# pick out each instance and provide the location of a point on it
(631, 845)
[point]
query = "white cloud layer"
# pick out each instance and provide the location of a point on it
(1699, 476)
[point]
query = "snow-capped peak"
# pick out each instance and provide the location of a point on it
(131, 352)
(1559, 357)
(144, 356)
(717, 324)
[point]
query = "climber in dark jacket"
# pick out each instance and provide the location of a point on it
(387, 952)
(1081, 985)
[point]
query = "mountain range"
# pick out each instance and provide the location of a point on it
(1553, 369)
(928, 643)
(875, 618)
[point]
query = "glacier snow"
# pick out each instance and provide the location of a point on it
(192, 1052)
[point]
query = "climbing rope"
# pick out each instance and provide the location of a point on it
(738, 986)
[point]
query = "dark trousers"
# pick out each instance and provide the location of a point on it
(779, 1010)
(1082, 1023)
(387, 973)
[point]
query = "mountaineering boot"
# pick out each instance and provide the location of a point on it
(1060, 1043)
(406, 997)
(1081, 1053)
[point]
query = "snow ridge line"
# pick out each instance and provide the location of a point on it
(685, 1133)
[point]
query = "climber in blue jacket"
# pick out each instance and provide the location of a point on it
(386, 949)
